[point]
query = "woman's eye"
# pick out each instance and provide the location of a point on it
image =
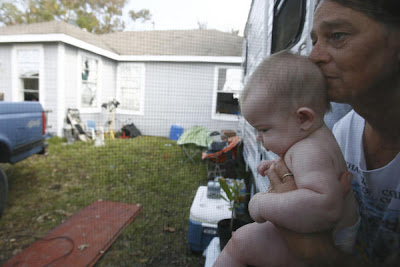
(313, 41)
(338, 39)
(262, 130)
(338, 36)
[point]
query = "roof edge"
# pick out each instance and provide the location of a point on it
(61, 37)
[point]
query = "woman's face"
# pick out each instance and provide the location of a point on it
(356, 54)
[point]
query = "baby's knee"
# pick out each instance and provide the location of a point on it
(240, 241)
(248, 236)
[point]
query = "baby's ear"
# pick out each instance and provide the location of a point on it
(306, 117)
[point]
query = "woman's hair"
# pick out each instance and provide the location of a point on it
(384, 11)
(290, 80)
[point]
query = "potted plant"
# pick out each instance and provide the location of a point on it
(234, 196)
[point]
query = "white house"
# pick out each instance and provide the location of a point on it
(160, 78)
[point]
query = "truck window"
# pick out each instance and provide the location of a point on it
(289, 16)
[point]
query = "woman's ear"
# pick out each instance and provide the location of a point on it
(306, 117)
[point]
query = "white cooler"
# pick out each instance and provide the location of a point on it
(205, 213)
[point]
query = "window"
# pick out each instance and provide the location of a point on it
(289, 16)
(130, 91)
(28, 61)
(229, 86)
(89, 82)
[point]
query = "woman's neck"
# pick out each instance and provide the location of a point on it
(378, 150)
(382, 113)
(381, 137)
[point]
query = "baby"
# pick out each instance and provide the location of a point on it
(285, 101)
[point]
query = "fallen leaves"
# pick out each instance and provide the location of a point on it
(44, 217)
(169, 229)
(55, 187)
(47, 217)
(83, 247)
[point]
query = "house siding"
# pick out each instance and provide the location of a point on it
(5, 71)
(178, 90)
(49, 83)
(108, 80)
(176, 94)
(71, 76)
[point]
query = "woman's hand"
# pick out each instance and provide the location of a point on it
(276, 170)
(280, 182)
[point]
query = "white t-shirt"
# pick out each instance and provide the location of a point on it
(377, 193)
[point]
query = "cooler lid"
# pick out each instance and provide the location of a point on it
(209, 210)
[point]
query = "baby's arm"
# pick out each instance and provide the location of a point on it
(316, 204)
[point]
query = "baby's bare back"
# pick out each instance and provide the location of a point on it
(318, 160)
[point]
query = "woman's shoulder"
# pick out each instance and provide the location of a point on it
(348, 133)
(350, 122)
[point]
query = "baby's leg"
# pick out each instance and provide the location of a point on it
(258, 244)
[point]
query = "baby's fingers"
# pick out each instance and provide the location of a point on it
(273, 177)
(263, 166)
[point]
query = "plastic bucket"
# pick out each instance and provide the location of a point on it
(175, 132)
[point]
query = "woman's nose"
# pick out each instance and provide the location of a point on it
(319, 54)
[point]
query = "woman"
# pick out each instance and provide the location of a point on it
(357, 47)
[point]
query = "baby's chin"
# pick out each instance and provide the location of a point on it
(279, 153)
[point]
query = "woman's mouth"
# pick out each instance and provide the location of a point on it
(327, 77)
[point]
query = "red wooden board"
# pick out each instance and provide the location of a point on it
(82, 239)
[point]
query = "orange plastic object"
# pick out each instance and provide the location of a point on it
(232, 143)
(82, 239)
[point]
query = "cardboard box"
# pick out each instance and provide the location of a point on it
(228, 133)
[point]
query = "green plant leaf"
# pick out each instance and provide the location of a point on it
(226, 188)
(224, 198)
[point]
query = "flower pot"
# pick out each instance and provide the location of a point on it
(224, 231)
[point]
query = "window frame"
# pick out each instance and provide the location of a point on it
(224, 116)
(277, 10)
(18, 92)
(97, 107)
(118, 93)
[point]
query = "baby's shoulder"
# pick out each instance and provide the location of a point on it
(319, 145)
(322, 138)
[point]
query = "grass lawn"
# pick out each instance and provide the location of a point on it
(45, 190)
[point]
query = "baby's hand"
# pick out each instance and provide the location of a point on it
(264, 165)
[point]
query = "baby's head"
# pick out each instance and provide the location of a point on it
(289, 81)
(287, 96)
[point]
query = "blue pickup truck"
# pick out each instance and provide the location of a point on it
(22, 131)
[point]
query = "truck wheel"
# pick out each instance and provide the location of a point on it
(3, 191)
